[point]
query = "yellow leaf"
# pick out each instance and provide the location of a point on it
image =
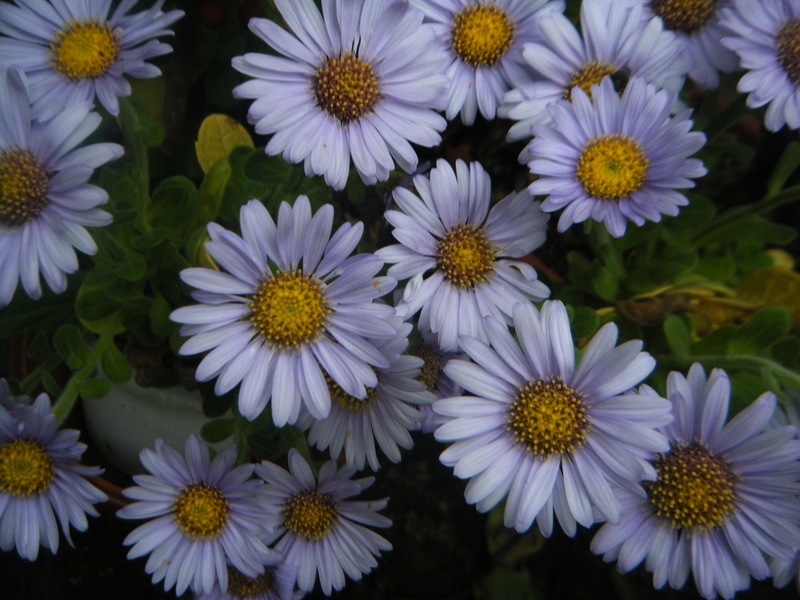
(773, 286)
(218, 135)
(780, 258)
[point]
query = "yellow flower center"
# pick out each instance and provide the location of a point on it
(788, 41)
(345, 400)
(23, 187)
(482, 33)
(432, 367)
(346, 87)
(612, 166)
(84, 49)
(242, 586)
(289, 309)
(694, 489)
(309, 514)
(466, 256)
(683, 15)
(201, 511)
(588, 75)
(25, 468)
(548, 417)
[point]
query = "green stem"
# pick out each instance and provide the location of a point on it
(129, 121)
(741, 213)
(783, 375)
(69, 396)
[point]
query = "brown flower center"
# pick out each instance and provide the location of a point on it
(348, 402)
(84, 49)
(482, 33)
(788, 41)
(346, 87)
(683, 15)
(588, 75)
(201, 511)
(309, 514)
(612, 166)
(432, 367)
(242, 586)
(25, 468)
(466, 256)
(23, 187)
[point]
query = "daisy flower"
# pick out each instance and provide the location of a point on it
(551, 436)
(615, 40)
(14, 405)
(612, 158)
(699, 34)
(42, 483)
(361, 80)
(725, 497)
(317, 527)
(277, 582)
(45, 202)
(74, 51)
(485, 41)
(290, 302)
(385, 415)
(768, 44)
(447, 231)
(205, 514)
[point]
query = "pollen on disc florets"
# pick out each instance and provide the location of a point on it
(588, 75)
(25, 468)
(201, 511)
(683, 15)
(482, 33)
(466, 256)
(548, 417)
(695, 488)
(289, 309)
(84, 49)
(788, 42)
(348, 402)
(346, 87)
(23, 187)
(309, 514)
(431, 370)
(612, 166)
(242, 586)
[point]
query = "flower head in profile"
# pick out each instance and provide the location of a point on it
(42, 483)
(485, 41)
(615, 41)
(615, 159)
(768, 44)
(725, 499)
(361, 81)
(277, 582)
(204, 515)
(317, 527)
(45, 200)
(75, 51)
(548, 435)
(385, 415)
(289, 303)
(15, 405)
(456, 251)
(698, 32)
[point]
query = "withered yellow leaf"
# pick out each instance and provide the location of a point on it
(773, 286)
(218, 135)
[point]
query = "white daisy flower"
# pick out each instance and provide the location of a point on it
(45, 200)
(485, 41)
(289, 302)
(360, 80)
(614, 39)
(454, 249)
(74, 51)
(317, 527)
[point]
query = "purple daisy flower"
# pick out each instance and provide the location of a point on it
(42, 483)
(205, 514)
(767, 41)
(485, 41)
(317, 526)
(361, 81)
(551, 436)
(447, 231)
(14, 405)
(725, 498)
(385, 415)
(277, 582)
(615, 159)
(615, 39)
(290, 302)
(45, 200)
(74, 51)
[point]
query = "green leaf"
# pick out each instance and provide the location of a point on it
(787, 164)
(159, 316)
(677, 335)
(209, 197)
(218, 430)
(115, 366)
(716, 268)
(173, 199)
(264, 446)
(715, 343)
(94, 388)
(270, 170)
(49, 384)
(503, 583)
(39, 349)
(95, 305)
(69, 343)
(134, 268)
(762, 330)
(604, 283)
(213, 405)
(787, 352)
(584, 322)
